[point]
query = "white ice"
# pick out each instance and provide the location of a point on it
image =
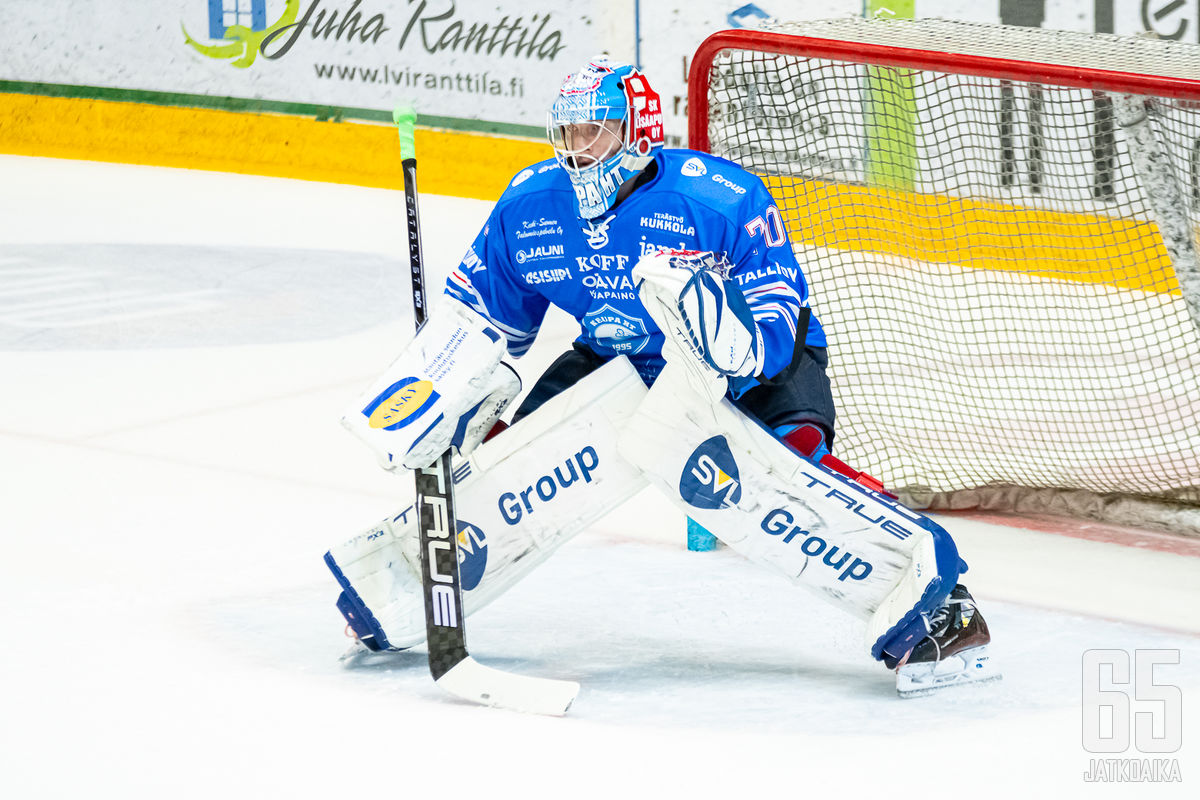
(175, 349)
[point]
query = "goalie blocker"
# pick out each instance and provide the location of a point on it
(445, 392)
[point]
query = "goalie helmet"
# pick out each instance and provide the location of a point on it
(605, 127)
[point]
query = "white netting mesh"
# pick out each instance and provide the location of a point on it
(1094, 51)
(984, 254)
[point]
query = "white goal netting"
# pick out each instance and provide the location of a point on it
(998, 228)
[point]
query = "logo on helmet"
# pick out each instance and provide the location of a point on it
(647, 114)
(587, 79)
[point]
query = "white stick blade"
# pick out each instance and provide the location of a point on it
(473, 681)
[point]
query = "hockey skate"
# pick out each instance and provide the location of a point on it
(954, 652)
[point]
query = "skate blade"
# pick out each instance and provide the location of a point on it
(359, 653)
(355, 653)
(968, 667)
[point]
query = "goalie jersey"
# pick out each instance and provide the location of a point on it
(535, 251)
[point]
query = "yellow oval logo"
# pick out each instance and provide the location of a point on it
(400, 403)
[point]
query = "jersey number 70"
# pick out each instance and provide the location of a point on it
(772, 229)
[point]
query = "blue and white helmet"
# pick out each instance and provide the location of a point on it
(605, 126)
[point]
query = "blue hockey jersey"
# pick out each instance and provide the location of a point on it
(534, 250)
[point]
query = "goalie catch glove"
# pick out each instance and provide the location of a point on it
(710, 314)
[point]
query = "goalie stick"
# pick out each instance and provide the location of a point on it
(451, 665)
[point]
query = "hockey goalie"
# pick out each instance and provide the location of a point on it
(699, 369)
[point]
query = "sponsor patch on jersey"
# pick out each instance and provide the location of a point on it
(610, 287)
(472, 554)
(693, 168)
(399, 404)
(597, 262)
(472, 262)
(775, 269)
(710, 476)
(522, 176)
(597, 232)
(662, 221)
(552, 275)
(538, 227)
(645, 247)
(621, 332)
(728, 184)
(538, 253)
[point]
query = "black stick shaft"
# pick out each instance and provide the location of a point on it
(437, 524)
(415, 258)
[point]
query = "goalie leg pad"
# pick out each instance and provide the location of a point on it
(520, 496)
(360, 619)
(902, 619)
(858, 549)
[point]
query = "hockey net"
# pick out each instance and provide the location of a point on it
(997, 226)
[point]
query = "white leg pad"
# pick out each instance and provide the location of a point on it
(859, 550)
(519, 497)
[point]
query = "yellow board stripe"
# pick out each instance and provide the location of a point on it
(365, 154)
(930, 228)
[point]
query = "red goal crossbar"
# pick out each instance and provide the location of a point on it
(892, 56)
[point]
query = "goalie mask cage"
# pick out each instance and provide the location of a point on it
(997, 226)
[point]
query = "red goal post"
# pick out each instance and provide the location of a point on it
(998, 228)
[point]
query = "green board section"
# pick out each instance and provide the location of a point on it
(891, 112)
(891, 116)
(900, 9)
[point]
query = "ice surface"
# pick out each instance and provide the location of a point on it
(170, 482)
